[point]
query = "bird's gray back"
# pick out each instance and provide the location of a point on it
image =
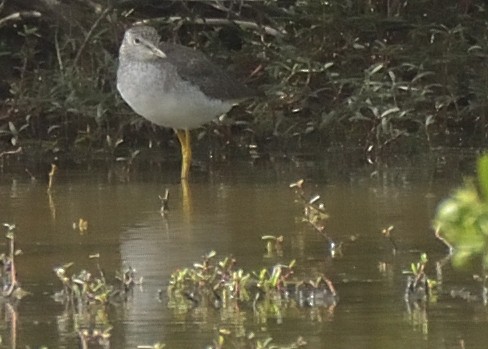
(194, 67)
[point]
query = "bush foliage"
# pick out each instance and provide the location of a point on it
(463, 219)
(370, 74)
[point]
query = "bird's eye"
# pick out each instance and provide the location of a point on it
(137, 41)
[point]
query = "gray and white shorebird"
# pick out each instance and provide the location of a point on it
(174, 86)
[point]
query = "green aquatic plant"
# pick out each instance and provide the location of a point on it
(315, 215)
(388, 234)
(313, 210)
(209, 282)
(274, 245)
(83, 288)
(86, 296)
(419, 285)
(86, 288)
(462, 219)
(276, 280)
(126, 276)
(219, 284)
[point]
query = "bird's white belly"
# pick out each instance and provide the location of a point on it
(179, 112)
(184, 107)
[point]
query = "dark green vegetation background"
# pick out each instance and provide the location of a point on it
(383, 76)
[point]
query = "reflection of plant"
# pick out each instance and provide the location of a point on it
(462, 219)
(225, 336)
(483, 280)
(154, 346)
(315, 292)
(126, 277)
(8, 273)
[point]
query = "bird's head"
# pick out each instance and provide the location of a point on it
(141, 43)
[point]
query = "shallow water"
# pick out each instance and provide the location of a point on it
(228, 209)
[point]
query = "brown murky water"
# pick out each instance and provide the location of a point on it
(228, 210)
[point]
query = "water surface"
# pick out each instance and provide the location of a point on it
(227, 210)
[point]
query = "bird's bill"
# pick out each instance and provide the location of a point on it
(156, 51)
(152, 48)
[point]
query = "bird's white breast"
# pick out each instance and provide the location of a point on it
(161, 97)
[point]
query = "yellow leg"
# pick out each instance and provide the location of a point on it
(185, 142)
(186, 199)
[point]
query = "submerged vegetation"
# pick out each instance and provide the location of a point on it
(370, 74)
